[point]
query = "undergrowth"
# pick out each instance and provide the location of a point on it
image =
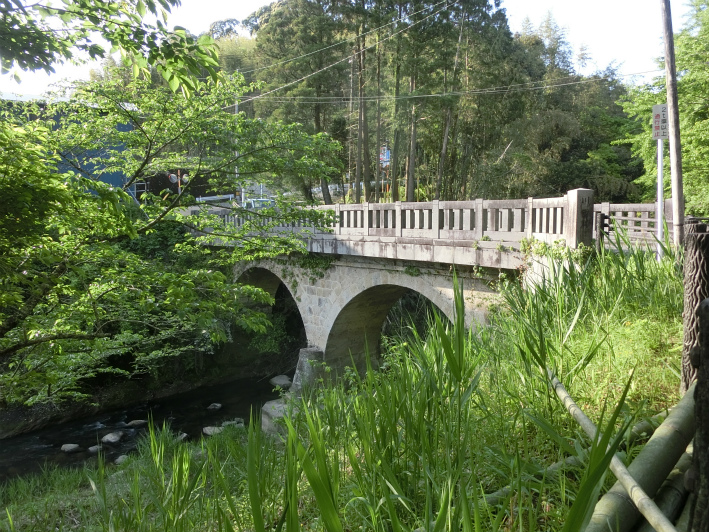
(456, 431)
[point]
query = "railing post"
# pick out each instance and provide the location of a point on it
(436, 220)
(399, 221)
(602, 228)
(365, 218)
(479, 221)
(466, 211)
(606, 208)
(668, 218)
(491, 219)
(338, 220)
(578, 222)
(529, 219)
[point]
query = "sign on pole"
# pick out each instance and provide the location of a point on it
(660, 131)
(660, 124)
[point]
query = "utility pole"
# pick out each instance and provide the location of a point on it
(675, 144)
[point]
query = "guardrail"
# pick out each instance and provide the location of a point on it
(506, 221)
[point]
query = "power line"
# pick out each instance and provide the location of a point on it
(502, 89)
(286, 61)
(346, 58)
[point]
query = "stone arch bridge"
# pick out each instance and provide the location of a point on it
(343, 307)
(379, 251)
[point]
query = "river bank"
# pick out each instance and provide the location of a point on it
(185, 413)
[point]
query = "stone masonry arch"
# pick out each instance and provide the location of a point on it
(261, 276)
(357, 328)
(343, 307)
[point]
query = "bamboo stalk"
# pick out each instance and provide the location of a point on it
(650, 468)
(637, 494)
(685, 517)
(642, 429)
(673, 492)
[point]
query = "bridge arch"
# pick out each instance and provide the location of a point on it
(356, 331)
(343, 309)
(262, 277)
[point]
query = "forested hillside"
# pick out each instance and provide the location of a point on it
(463, 107)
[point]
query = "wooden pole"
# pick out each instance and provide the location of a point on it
(673, 111)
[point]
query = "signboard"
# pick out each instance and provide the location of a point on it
(660, 124)
(384, 156)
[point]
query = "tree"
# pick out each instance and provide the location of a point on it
(297, 44)
(468, 109)
(93, 280)
(37, 36)
(691, 48)
(557, 129)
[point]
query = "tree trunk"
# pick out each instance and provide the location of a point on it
(394, 161)
(696, 289)
(700, 460)
(449, 113)
(378, 174)
(358, 171)
(364, 130)
(351, 159)
(394, 166)
(411, 164)
(442, 159)
(317, 119)
(456, 183)
(366, 160)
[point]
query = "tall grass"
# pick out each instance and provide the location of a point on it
(454, 415)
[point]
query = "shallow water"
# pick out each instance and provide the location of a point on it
(186, 412)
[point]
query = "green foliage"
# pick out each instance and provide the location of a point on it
(557, 250)
(91, 275)
(451, 418)
(502, 116)
(38, 36)
(315, 264)
(413, 271)
(159, 243)
(603, 449)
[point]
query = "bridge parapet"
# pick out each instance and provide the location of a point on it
(545, 219)
(476, 232)
(639, 220)
(506, 221)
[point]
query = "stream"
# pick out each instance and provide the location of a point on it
(186, 412)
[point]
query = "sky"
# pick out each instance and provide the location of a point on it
(626, 33)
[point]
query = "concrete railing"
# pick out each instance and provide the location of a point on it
(568, 218)
(478, 232)
(639, 220)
